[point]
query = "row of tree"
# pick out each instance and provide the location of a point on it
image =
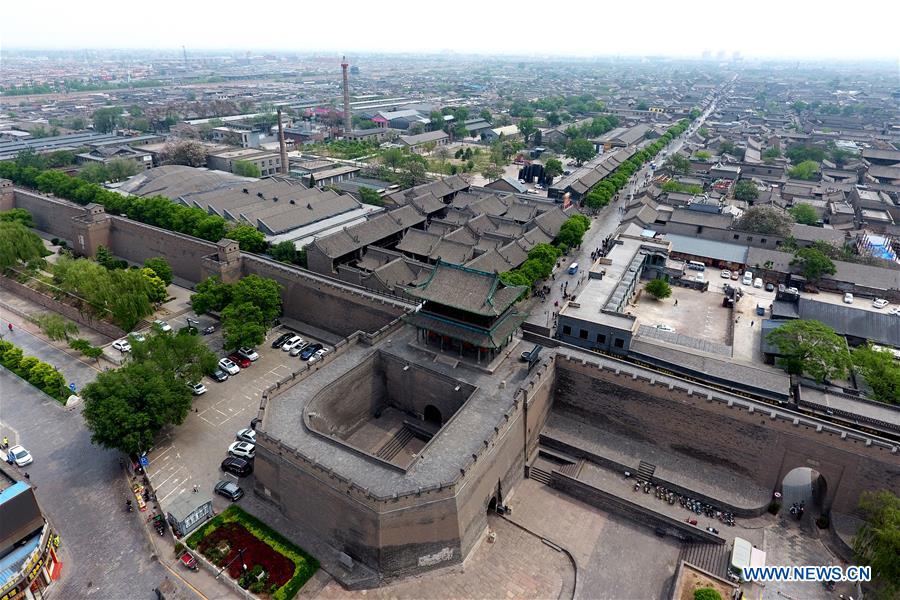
(154, 210)
(39, 374)
(603, 192)
(542, 258)
(247, 307)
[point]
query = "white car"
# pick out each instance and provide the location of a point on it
(880, 303)
(246, 435)
(298, 348)
(163, 326)
(758, 282)
(294, 340)
(228, 366)
(21, 456)
(122, 345)
(197, 389)
(894, 311)
(848, 298)
(248, 353)
(664, 327)
(318, 355)
(725, 274)
(242, 450)
(138, 336)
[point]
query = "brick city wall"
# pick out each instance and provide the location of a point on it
(136, 242)
(751, 443)
(348, 401)
(50, 214)
(413, 389)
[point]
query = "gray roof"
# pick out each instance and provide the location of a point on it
(377, 228)
(467, 289)
(423, 138)
(879, 327)
(695, 246)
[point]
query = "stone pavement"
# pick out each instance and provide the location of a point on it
(517, 565)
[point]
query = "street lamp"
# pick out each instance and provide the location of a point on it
(240, 555)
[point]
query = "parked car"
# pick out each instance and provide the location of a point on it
(246, 435)
(309, 351)
(291, 342)
(237, 466)
(122, 345)
(227, 365)
(748, 278)
(138, 336)
(230, 490)
(242, 450)
(163, 326)
(318, 355)
(848, 298)
(281, 339)
(758, 282)
(735, 275)
(726, 274)
(21, 456)
(197, 389)
(770, 287)
(894, 311)
(219, 375)
(880, 303)
(248, 353)
(298, 348)
(239, 360)
(664, 327)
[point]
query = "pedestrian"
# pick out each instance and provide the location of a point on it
(10, 327)
(196, 489)
(5, 442)
(676, 301)
(27, 476)
(751, 323)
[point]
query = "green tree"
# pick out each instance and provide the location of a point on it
(881, 371)
(527, 128)
(284, 251)
(765, 219)
(245, 168)
(370, 196)
(161, 267)
(485, 114)
(804, 213)
(678, 165)
(746, 191)
(95, 173)
(211, 295)
(183, 354)
(60, 158)
(813, 264)
(156, 290)
(807, 170)
(553, 119)
(702, 155)
(413, 174)
(799, 153)
(55, 326)
(707, 594)
(243, 326)
(642, 105)
(393, 158)
(248, 237)
(658, 288)
(877, 543)
(436, 120)
(492, 171)
(17, 215)
(188, 152)
(811, 347)
(553, 167)
(106, 119)
(261, 292)
(581, 150)
(18, 244)
(770, 155)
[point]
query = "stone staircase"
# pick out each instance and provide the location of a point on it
(645, 471)
(539, 475)
(709, 557)
(572, 469)
(394, 445)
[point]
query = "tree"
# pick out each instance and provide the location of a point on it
(553, 119)
(182, 354)
(492, 171)
(436, 121)
(485, 114)
(807, 170)
(370, 196)
(799, 153)
(877, 542)
(804, 213)
(261, 292)
(285, 251)
(553, 167)
(580, 149)
(678, 165)
(106, 119)
(120, 169)
(156, 287)
(245, 168)
(881, 371)
(746, 191)
(811, 347)
(55, 326)
(707, 594)
(702, 155)
(243, 326)
(658, 288)
(248, 237)
(393, 158)
(765, 219)
(18, 244)
(161, 267)
(527, 128)
(211, 296)
(642, 105)
(188, 152)
(770, 155)
(17, 215)
(413, 174)
(94, 173)
(704, 133)
(813, 264)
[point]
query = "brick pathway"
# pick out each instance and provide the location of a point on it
(518, 565)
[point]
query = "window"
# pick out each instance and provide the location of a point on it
(619, 343)
(762, 241)
(699, 228)
(749, 238)
(737, 236)
(601, 339)
(567, 330)
(583, 334)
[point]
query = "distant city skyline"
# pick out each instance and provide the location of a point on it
(766, 29)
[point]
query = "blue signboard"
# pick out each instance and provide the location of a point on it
(144, 461)
(72, 386)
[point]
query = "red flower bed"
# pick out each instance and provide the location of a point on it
(256, 552)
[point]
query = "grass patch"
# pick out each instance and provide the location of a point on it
(305, 565)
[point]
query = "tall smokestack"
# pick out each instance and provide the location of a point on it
(282, 147)
(344, 66)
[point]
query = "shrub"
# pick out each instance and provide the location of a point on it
(658, 288)
(39, 374)
(707, 594)
(774, 507)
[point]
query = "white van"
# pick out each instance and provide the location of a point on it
(748, 278)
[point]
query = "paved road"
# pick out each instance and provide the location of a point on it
(75, 370)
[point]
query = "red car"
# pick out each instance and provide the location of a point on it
(240, 360)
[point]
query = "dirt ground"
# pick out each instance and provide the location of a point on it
(696, 314)
(692, 580)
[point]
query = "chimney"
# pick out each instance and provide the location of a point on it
(347, 121)
(283, 148)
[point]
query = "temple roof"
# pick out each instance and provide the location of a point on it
(494, 337)
(467, 289)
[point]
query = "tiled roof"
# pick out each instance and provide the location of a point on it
(467, 289)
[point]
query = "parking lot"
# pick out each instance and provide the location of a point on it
(697, 314)
(189, 455)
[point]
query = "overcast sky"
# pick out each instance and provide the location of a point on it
(768, 28)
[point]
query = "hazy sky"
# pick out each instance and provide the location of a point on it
(770, 28)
